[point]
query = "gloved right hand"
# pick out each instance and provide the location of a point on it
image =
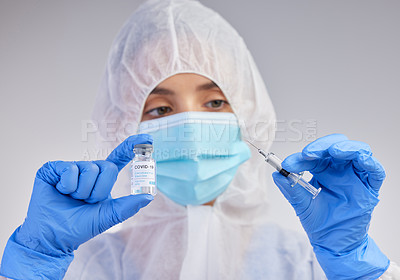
(70, 204)
(337, 220)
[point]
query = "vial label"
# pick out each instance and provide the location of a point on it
(143, 177)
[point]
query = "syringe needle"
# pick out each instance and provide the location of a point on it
(252, 144)
(276, 162)
(258, 149)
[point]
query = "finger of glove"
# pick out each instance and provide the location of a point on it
(349, 149)
(69, 173)
(344, 152)
(296, 163)
(319, 148)
(125, 207)
(48, 173)
(298, 197)
(106, 178)
(123, 154)
(375, 171)
(88, 172)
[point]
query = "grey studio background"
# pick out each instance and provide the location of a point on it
(329, 66)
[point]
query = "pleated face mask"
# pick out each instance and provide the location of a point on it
(197, 154)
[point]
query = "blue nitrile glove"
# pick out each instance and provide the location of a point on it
(337, 220)
(70, 204)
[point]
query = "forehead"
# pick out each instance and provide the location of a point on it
(185, 79)
(183, 83)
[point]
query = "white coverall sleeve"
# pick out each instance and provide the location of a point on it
(392, 273)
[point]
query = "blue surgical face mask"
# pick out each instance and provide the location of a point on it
(197, 154)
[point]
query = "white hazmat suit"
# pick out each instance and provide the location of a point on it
(230, 240)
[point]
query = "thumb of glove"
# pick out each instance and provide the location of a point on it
(115, 211)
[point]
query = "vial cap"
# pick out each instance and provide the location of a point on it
(144, 147)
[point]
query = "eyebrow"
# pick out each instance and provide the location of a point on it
(206, 86)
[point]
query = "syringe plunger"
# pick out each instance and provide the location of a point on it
(275, 162)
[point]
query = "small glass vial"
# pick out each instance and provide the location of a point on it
(143, 170)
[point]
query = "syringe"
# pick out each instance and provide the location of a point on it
(294, 178)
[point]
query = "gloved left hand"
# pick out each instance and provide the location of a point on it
(70, 204)
(337, 220)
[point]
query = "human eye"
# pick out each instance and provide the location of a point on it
(216, 104)
(159, 111)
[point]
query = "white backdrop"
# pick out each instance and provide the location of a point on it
(330, 66)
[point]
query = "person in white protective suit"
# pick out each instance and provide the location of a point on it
(176, 64)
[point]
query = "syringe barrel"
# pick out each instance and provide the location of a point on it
(274, 161)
